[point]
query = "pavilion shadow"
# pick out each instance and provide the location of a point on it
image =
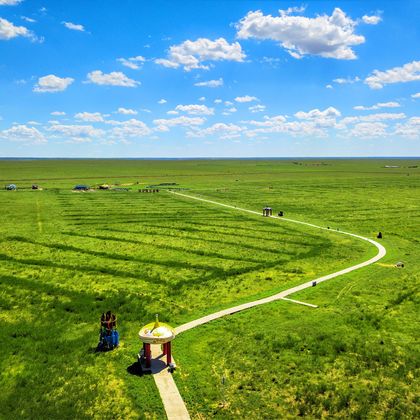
(136, 369)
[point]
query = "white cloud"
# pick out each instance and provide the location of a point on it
(167, 63)
(268, 121)
(327, 36)
(52, 83)
(245, 98)
(23, 133)
(410, 128)
(314, 114)
(280, 124)
(377, 106)
(8, 31)
(126, 111)
(369, 130)
(319, 119)
(348, 80)
(202, 98)
(371, 20)
(407, 73)
(115, 78)
(133, 63)
(210, 83)
(416, 95)
(131, 128)
(164, 124)
(27, 19)
(271, 61)
(195, 109)
(10, 2)
(113, 122)
(222, 130)
(191, 54)
(58, 113)
(289, 10)
(172, 112)
(257, 108)
(218, 101)
(77, 133)
(162, 101)
(384, 116)
(74, 26)
(89, 116)
(329, 86)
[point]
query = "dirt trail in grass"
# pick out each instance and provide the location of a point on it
(166, 396)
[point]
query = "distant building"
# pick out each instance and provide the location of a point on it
(81, 188)
(11, 187)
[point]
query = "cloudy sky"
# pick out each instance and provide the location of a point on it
(126, 78)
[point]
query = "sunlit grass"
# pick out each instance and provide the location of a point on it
(67, 257)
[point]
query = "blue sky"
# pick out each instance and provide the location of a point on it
(108, 78)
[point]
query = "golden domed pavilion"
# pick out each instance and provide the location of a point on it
(156, 333)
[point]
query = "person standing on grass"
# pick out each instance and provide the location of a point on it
(108, 323)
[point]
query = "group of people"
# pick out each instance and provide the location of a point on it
(108, 335)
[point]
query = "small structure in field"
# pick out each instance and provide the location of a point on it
(379, 235)
(156, 333)
(399, 264)
(267, 211)
(280, 214)
(81, 187)
(11, 187)
(35, 187)
(148, 190)
(104, 187)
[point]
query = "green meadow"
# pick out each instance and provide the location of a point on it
(67, 256)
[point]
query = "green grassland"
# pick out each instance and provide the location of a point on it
(66, 257)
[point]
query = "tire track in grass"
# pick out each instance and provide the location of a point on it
(167, 391)
(38, 216)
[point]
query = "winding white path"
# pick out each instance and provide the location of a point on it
(166, 396)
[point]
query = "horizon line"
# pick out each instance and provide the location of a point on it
(206, 157)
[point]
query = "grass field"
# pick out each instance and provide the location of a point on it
(67, 257)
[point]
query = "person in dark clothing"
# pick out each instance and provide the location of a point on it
(108, 323)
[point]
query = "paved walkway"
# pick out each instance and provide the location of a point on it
(172, 400)
(300, 303)
(381, 253)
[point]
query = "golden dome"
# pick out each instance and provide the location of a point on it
(156, 333)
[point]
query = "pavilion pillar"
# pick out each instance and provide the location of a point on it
(165, 348)
(147, 354)
(168, 353)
